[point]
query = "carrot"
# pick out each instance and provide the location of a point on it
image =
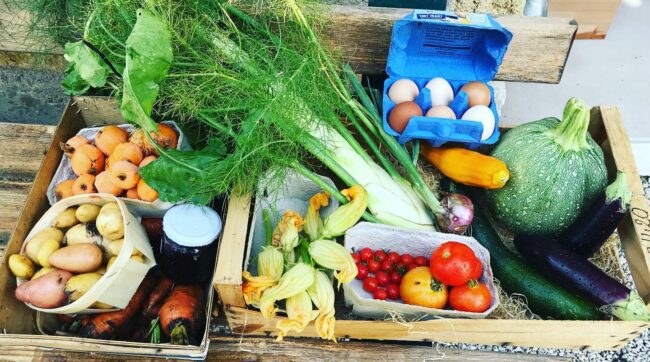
(105, 325)
(157, 297)
(182, 312)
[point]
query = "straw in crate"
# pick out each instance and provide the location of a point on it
(118, 281)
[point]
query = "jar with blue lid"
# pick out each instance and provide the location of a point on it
(188, 248)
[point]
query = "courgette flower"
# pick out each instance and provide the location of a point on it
(254, 287)
(347, 215)
(332, 255)
(299, 314)
(270, 262)
(313, 223)
(286, 231)
(322, 294)
(295, 280)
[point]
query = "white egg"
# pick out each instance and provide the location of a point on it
(441, 92)
(484, 115)
(403, 90)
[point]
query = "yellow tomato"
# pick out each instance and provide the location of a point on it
(418, 287)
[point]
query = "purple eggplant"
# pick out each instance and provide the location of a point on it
(563, 265)
(588, 233)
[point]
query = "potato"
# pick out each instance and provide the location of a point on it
(78, 258)
(101, 270)
(100, 305)
(41, 272)
(115, 246)
(110, 262)
(138, 258)
(48, 247)
(82, 234)
(51, 233)
(110, 223)
(87, 212)
(47, 291)
(78, 285)
(21, 266)
(110, 206)
(66, 219)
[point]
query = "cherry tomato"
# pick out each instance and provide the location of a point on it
(370, 284)
(393, 291)
(401, 268)
(380, 255)
(421, 261)
(365, 254)
(382, 278)
(412, 266)
(471, 297)
(386, 266)
(393, 257)
(406, 259)
(395, 277)
(362, 272)
(373, 266)
(418, 287)
(455, 263)
(380, 293)
(356, 258)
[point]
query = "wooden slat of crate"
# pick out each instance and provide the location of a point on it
(537, 53)
(593, 16)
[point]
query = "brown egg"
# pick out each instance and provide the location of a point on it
(441, 112)
(400, 116)
(478, 93)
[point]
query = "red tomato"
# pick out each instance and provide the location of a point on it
(421, 261)
(380, 255)
(401, 268)
(455, 263)
(393, 257)
(356, 258)
(370, 284)
(393, 291)
(382, 278)
(419, 288)
(386, 266)
(412, 266)
(362, 272)
(380, 293)
(365, 254)
(471, 297)
(373, 266)
(395, 277)
(406, 259)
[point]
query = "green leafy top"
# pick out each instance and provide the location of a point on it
(85, 69)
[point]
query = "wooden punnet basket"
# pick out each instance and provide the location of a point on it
(607, 130)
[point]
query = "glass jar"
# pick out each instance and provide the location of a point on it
(189, 243)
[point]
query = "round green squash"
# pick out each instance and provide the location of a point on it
(556, 171)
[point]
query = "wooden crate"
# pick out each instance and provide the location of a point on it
(593, 16)
(17, 321)
(607, 129)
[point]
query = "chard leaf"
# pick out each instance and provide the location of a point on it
(148, 58)
(176, 174)
(85, 69)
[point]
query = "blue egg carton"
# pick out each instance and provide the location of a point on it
(459, 48)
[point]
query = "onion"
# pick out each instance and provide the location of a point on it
(458, 215)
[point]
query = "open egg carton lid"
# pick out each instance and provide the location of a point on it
(459, 47)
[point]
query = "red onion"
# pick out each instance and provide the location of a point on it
(458, 215)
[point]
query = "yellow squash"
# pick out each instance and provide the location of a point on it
(468, 167)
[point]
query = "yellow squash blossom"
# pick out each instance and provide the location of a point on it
(313, 223)
(254, 287)
(322, 294)
(285, 234)
(270, 262)
(299, 314)
(295, 280)
(347, 215)
(332, 255)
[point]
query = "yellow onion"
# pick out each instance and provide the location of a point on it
(347, 215)
(299, 314)
(322, 294)
(270, 262)
(295, 280)
(313, 223)
(332, 255)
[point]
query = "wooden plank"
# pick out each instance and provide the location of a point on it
(13, 195)
(537, 53)
(597, 335)
(593, 16)
(21, 160)
(634, 230)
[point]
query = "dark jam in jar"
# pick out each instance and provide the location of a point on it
(189, 243)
